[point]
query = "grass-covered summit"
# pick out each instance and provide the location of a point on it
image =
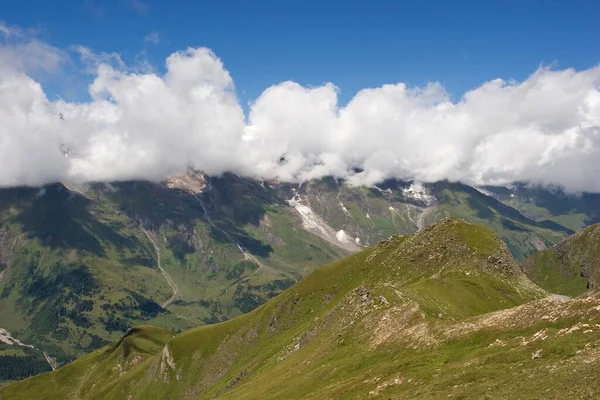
(443, 313)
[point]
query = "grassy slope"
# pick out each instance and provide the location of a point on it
(74, 270)
(56, 237)
(570, 267)
(520, 233)
(78, 269)
(443, 313)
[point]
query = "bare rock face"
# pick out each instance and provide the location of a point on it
(191, 181)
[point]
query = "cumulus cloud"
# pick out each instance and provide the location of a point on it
(545, 129)
(20, 51)
(142, 125)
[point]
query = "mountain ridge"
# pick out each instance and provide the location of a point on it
(228, 244)
(352, 321)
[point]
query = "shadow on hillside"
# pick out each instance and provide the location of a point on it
(231, 204)
(485, 205)
(59, 218)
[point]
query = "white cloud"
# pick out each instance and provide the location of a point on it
(141, 125)
(30, 134)
(152, 37)
(20, 51)
(146, 126)
(8, 31)
(31, 57)
(545, 129)
(93, 60)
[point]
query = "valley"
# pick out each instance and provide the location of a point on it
(83, 264)
(442, 313)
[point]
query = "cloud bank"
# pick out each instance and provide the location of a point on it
(141, 125)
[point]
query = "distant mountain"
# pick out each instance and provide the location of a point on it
(571, 267)
(372, 214)
(443, 313)
(80, 265)
(572, 210)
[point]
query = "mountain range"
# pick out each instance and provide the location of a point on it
(442, 313)
(81, 265)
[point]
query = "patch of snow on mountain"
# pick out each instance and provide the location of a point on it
(310, 220)
(416, 191)
(313, 223)
(388, 190)
(342, 236)
(486, 192)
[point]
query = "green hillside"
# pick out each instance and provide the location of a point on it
(444, 313)
(79, 266)
(523, 236)
(571, 267)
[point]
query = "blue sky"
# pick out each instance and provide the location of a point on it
(353, 44)
(538, 124)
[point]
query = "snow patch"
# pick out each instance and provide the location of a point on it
(388, 190)
(313, 223)
(417, 191)
(310, 220)
(342, 236)
(486, 192)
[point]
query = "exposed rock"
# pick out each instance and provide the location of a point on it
(191, 181)
(167, 363)
(235, 380)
